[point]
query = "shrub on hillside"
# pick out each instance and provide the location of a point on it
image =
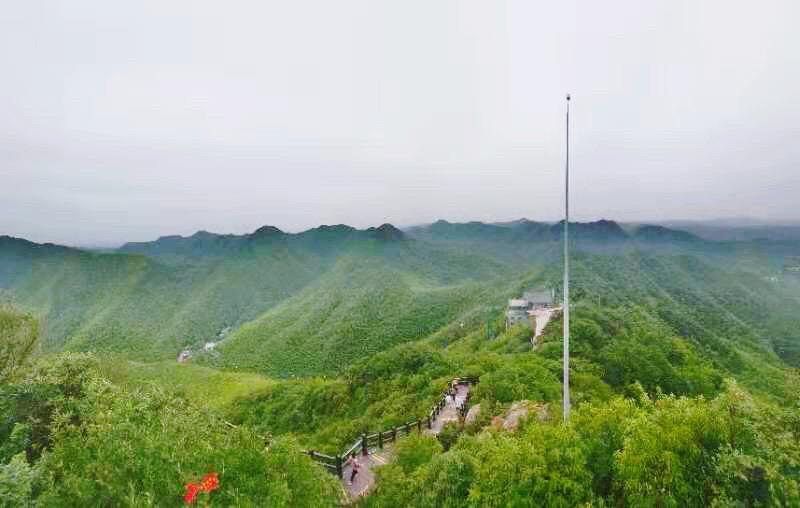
(416, 450)
(449, 434)
(106, 445)
(19, 334)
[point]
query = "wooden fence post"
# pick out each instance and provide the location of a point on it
(394, 434)
(364, 450)
(339, 466)
(419, 424)
(429, 422)
(380, 440)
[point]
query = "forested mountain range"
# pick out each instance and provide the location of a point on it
(314, 301)
(684, 364)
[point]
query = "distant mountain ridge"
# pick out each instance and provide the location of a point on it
(523, 230)
(742, 230)
(21, 245)
(204, 243)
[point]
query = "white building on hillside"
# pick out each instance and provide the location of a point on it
(517, 312)
(534, 308)
(539, 298)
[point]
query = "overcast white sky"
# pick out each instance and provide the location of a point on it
(130, 120)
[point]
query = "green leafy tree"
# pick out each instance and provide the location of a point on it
(449, 434)
(19, 335)
(544, 466)
(17, 480)
(416, 450)
(111, 446)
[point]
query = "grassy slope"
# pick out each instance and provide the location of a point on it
(211, 387)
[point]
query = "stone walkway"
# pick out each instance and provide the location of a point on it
(365, 478)
(449, 412)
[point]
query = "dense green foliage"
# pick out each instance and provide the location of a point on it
(683, 374)
(142, 307)
(71, 438)
(347, 294)
(20, 334)
(314, 302)
(670, 451)
(211, 387)
(361, 307)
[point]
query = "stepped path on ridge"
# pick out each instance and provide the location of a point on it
(365, 478)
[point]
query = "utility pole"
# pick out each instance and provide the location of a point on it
(566, 279)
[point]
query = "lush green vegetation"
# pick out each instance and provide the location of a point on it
(362, 294)
(312, 303)
(684, 369)
(145, 308)
(666, 451)
(212, 387)
(360, 308)
(71, 438)
(20, 335)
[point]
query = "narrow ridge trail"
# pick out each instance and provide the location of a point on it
(365, 478)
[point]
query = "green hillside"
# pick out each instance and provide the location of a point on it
(683, 373)
(311, 303)
(149, 309)
(180, 293)
(362, 306)
(152, 307)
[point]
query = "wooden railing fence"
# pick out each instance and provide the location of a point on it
(335, 463)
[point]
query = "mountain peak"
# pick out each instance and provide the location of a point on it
(603, 230)
(386, 232)
(265, 231)
(335, 229)
(165, 238)
(203, 234)
(266, 235)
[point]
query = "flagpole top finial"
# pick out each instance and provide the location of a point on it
(567, 96)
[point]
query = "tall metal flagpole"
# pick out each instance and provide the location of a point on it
(566, 279)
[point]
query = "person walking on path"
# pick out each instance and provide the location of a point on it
(354, 465)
